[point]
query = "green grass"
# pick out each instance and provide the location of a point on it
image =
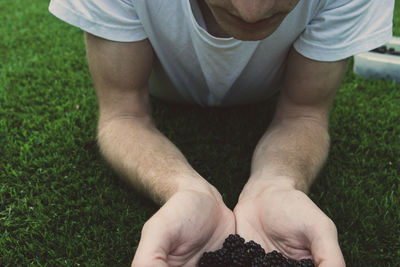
(60, 204)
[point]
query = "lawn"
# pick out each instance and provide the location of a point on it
(61, 205)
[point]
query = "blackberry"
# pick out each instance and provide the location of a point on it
(233, 241)
(217, 258)
(235, 252)
(240, 257)
(254, 250)
(305, 263)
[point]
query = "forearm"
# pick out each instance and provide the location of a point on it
(147, 159)
(291, 152)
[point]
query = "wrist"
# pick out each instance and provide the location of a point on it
(262, 185)
(198, 185)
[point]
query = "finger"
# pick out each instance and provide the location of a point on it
(325, 248)
(153, 247)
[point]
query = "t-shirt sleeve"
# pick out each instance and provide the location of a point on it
(115, 20)
(345, 28)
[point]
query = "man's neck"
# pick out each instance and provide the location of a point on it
(212, 26)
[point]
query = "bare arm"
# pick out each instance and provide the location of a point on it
(296, 144)
(273, 208)
(127, 137)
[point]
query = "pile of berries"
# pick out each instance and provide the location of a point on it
(236, 253)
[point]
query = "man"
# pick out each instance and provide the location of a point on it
(224, 52)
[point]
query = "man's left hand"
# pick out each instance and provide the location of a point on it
(286, 220)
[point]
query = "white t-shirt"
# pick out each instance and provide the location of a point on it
(199, 68)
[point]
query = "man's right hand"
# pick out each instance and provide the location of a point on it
(193, 218)
(188, 224)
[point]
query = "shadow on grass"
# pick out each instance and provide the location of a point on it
(218, 142)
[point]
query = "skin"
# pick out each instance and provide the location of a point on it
(178, 234)
(273, 208)
(235, 18)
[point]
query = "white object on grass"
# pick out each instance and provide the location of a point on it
(376, 65)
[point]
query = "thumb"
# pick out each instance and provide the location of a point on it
(325, 248)
(153, 247)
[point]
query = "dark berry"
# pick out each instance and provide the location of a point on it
(233, 241)
(305, 263)
(236, 253)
